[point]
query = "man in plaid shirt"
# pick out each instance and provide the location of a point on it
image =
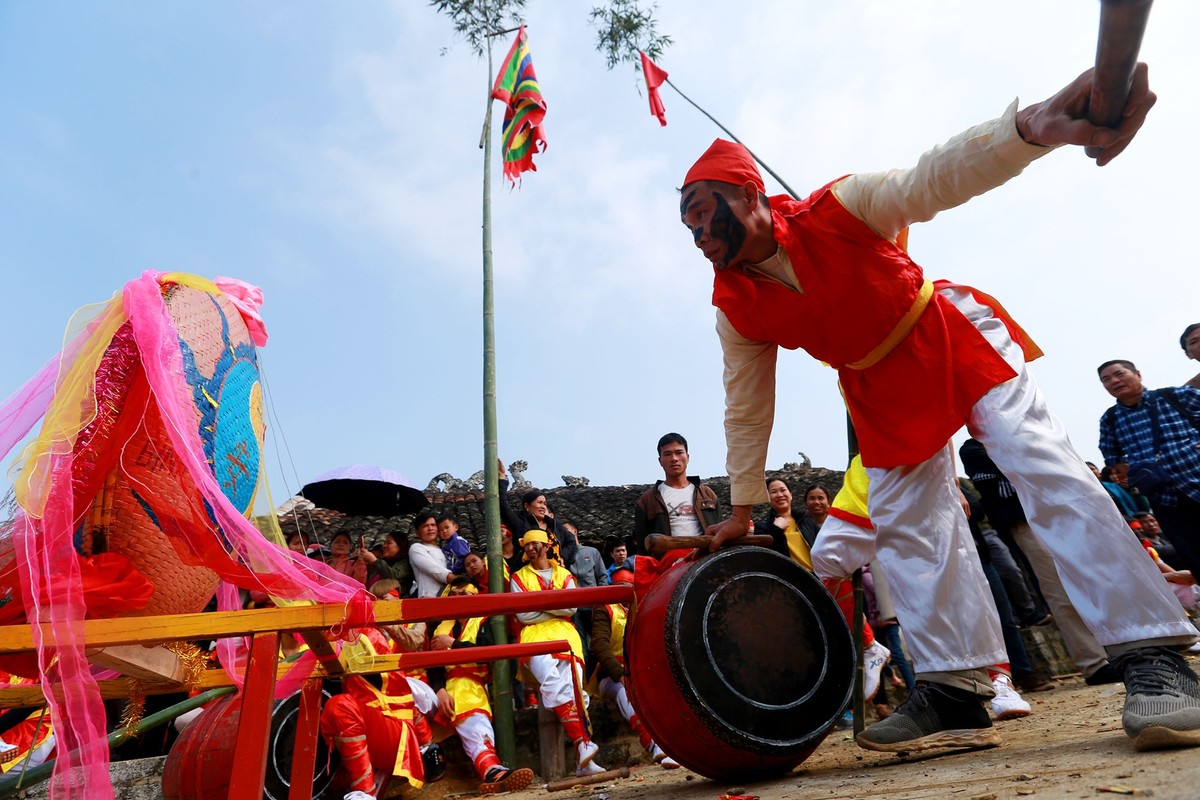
(1160, 426)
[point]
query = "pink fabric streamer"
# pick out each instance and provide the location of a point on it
(49, 567)
(248, 299)
(26, 407)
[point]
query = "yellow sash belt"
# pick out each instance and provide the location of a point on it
(902, 329)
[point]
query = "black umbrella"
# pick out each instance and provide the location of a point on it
(365, 491)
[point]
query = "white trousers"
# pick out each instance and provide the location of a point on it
(555, 685)
(476, 734)
(1081, 645)
(922, 539)
(615, 691)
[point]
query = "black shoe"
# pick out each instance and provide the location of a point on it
(434, 761)
(1106, 674)
(1162, 699)
(933, 716)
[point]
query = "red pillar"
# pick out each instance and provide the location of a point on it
(254, 727)
(304, 756)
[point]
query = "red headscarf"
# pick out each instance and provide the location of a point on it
(622, 576)
(727, 162)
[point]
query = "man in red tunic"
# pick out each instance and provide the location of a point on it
(917, 360)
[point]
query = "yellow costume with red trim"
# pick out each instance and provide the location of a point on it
(559, 675)
(466, 683)
(850, 504)
(467, 686)
(551, 629)
(618, 620)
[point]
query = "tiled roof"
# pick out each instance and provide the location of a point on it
(600, 512)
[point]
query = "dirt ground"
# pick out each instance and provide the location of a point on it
(1071, 746)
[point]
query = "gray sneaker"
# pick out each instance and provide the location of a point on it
(933, 716)
(1162, 699)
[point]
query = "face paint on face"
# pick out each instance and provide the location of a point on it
(715, 228)
(727, 229)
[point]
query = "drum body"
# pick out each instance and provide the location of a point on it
(204, 757)
(739, 663)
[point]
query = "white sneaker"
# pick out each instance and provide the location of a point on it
(357, 795)
(592, 768)
(661, 758)
(585, 751)
(874, 657)
(1007, 704)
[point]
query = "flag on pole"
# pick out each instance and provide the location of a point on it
(654, 79)
(517, 86)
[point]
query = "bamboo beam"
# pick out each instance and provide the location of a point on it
(217, 625)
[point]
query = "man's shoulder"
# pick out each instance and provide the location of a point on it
(1189, 390)
(1112, 411)
(651, 493)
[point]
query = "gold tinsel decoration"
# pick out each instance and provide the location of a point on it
(193, 660)
(135, 706)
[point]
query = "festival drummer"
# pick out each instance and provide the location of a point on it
(371, 724)
(916, 362)
(463, 703)
(559, 675)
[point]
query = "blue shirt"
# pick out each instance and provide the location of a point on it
(1127, 436)
(456, 549)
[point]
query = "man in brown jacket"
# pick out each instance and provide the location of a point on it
(678, 505)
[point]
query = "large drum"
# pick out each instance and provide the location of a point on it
(204, 757)
(739, 663)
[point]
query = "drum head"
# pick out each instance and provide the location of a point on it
(759, 650)
(282, 747)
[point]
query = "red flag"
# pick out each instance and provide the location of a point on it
(654, 79)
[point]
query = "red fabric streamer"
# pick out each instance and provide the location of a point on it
(655, 75)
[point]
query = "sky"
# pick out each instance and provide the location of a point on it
(329, 153)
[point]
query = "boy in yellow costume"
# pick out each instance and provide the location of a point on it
(463, 698)
(559, 676)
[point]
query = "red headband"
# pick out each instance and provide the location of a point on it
(727, 162)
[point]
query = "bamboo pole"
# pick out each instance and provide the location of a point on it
(503, 717)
